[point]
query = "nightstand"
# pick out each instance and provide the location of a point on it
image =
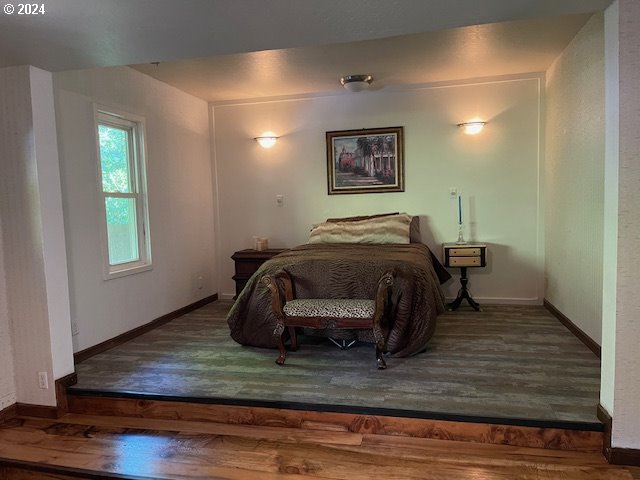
(463, 256)
(248, 261)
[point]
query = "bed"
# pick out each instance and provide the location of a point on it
(350, 270)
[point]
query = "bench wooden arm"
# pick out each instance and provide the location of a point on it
(271, 282)
(382, 294)
(287, 283)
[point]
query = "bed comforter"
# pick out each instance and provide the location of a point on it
(350, 271)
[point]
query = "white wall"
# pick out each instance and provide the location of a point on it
(574, 179)
(32, 237)
(620, 386)
(180, 201)
(497, 172)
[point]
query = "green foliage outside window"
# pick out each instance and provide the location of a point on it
(116, 177)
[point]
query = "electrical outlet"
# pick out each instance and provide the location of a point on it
(200, 283)
(74, 328)
(43, 380)
(280, 200)
(453, 192)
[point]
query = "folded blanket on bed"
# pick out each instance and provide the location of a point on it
(380, 230)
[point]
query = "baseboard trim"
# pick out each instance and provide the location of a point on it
(573, 328)
(615, 455)
(624, 456)
(9, 413)
(83, 355)
(41, 411)
(61, 392)
(605, 418)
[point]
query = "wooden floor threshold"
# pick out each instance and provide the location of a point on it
(106, 447)
(327, 421)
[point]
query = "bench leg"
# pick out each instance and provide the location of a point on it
(380, 343)
(380, 359)
(294, 339)
(283, 352)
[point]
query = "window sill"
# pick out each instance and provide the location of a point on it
(124, 271)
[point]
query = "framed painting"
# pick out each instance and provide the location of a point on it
(370, 160)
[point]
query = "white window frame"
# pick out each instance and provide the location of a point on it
(135, 124)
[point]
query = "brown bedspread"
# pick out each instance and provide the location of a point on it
(348, 271)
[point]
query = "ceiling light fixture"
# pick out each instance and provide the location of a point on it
(356, 83)
(472, 128)
(266, 140)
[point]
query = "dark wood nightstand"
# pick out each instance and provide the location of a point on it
(248, 261)
(463, 256)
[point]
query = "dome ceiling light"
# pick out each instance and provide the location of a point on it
(356, 83)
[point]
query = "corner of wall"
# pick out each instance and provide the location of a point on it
(214, 198)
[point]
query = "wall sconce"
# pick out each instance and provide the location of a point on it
(356, 83)
(266, 140)
(472, 128)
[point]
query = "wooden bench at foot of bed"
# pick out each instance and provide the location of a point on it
(326, 313)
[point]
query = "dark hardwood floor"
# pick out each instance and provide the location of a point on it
(506, 362)
(90, 447)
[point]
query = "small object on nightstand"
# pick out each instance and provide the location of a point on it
(464, 256)
(260, 244)
(247, 262)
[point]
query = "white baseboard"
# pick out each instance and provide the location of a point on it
(226, 296)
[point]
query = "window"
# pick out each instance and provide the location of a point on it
(126, 244)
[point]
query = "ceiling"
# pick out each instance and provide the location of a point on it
(77, 34)
(446, 55)
(258, 48)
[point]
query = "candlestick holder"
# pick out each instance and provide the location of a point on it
(461, 240)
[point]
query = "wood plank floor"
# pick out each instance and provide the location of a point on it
(507, 362)
(78, 446)
(516, 435)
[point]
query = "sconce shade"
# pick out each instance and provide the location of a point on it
(356, 83)
(472, 128)
(266, 141)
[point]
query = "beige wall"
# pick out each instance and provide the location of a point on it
(497, 172)
(574, 179)
(180, 201)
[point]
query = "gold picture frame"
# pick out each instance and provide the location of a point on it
(370, 160)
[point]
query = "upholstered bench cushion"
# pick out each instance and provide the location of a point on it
(322, 307)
